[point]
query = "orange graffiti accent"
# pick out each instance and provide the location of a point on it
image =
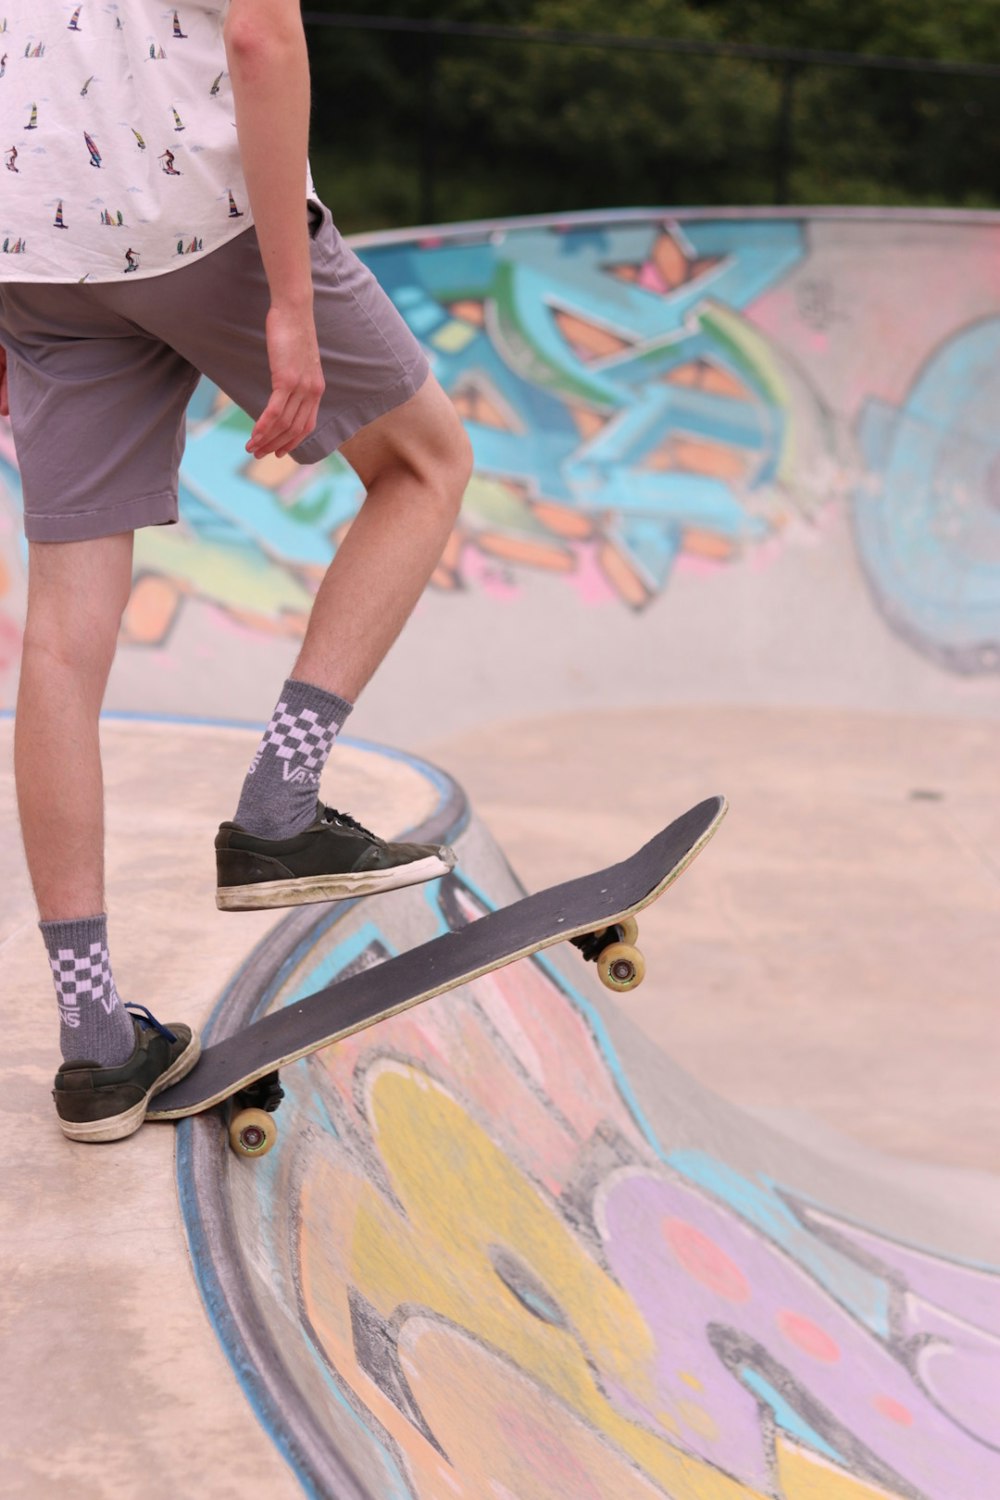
(475, 404)
(271, 472)
(469, 312)
(151, 611)
(674, 267)
(670, 261)
(11, 640)
(697, 456)
(703, 375)
(587, 341)
(707, 544)
(588, 423)
(447, 575)
(623, 578)
(549, 557)
(563, 520)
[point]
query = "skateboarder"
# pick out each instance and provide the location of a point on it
(101, 350)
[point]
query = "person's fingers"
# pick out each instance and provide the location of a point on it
(284, 423)
(270, 423)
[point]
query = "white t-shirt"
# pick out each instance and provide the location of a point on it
(118, 138)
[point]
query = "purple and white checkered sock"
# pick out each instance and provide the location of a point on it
(282, 785)
(94, 1024)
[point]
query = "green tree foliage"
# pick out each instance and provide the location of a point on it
(410, 127)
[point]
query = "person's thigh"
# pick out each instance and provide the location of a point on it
(97, 410)
(213, 313)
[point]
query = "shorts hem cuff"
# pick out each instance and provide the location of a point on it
(344, 424)
(88, 525)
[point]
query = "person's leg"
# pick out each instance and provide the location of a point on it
(77, 592)
(415, 463)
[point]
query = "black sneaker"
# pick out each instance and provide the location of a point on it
(333, 859)
(105, 1104)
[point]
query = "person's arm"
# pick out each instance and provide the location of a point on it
(269, 71)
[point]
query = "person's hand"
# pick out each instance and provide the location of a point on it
(4, 397)
(297, 382)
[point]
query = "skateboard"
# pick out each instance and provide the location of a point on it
(594, 912)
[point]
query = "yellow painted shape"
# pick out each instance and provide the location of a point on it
(235, 577)
(461, 1195)
(453, 337)
(806, 1476)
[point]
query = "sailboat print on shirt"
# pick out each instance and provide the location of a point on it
(178, 122)
(36, 51)
(58, 222)
(3, 65)
(178, 33)
(114, 219)
(86, 86)
(190, 249)
(17, 248)
(33, 122)
(74, 24)
(156, 53)
(215, 84)
(95, 155)
(138, 139)
(234, 212)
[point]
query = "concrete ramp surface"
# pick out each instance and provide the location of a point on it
(734, 528)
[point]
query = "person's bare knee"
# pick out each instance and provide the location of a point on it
(423, 439)
(77, 593)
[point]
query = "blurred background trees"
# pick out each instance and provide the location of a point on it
(410, 126)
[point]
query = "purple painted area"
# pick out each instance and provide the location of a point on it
(729, 1309)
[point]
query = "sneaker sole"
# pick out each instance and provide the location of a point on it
(307, 888)
(117, 1127)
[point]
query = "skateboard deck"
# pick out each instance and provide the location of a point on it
(595, 912)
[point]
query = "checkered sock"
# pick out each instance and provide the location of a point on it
(282, 785)
(95, 1026)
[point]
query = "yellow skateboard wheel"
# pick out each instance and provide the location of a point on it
(252, 1132)
(621, 967)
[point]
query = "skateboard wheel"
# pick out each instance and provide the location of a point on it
(621, 967)
(629, 929)
(252, 1132)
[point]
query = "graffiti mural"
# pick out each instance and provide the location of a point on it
(633, 410)
(505, 1284)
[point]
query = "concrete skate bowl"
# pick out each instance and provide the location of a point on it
(504, 1248)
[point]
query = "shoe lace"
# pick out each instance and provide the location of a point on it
(331, 815)
(146, 1018)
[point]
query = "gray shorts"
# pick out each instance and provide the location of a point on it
(100, 375)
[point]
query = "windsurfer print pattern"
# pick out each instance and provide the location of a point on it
(118, 137)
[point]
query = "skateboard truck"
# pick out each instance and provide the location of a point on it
(620, 965)
(252, 1132)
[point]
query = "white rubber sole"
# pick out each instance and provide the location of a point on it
(308, 888)
(117, 1127)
